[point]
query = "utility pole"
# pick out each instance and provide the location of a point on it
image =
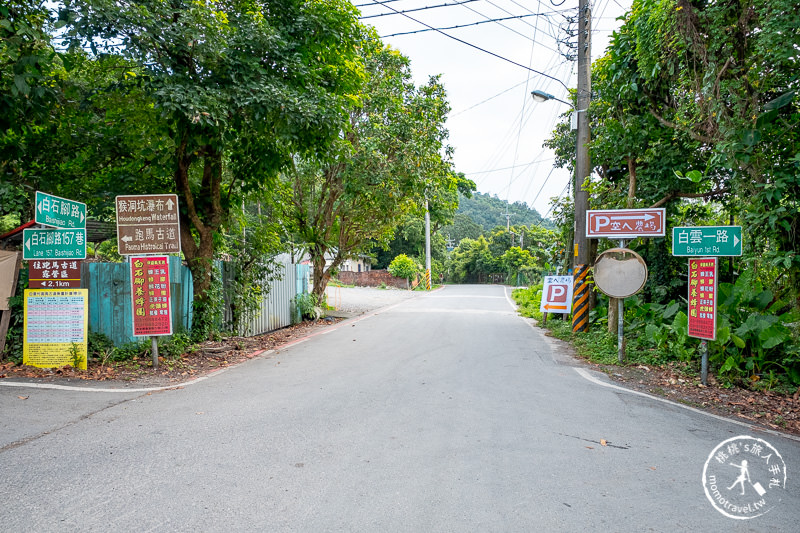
(580, 303)
(427, 247)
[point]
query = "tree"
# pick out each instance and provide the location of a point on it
(388, 159)
(403, 266)
(241, 86)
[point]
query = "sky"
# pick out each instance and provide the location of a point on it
(496, 128)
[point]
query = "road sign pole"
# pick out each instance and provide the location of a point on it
(621, 322)
(154, 350)
(704, 362)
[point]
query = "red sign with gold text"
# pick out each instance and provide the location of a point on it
(703, 298)
(150, 296)
(54, 273)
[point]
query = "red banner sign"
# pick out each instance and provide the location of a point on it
(703, 298)
(54, 273)
(625, 223)
(150, 296)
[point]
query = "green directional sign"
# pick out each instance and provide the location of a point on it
(59, 212)
(54, 243)
(708, 241)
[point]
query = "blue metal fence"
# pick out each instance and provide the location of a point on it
(110, 309)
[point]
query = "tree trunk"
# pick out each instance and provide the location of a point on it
(320, 276)
(198, 245)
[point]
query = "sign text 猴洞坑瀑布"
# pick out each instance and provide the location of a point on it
(148, 224)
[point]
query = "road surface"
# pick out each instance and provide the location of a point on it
(445, 412)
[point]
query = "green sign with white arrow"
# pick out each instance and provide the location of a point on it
(711, 241)
(54, 243)
(59, 212)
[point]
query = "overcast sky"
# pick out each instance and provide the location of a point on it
(495, 127)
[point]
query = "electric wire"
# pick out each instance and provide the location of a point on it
(457, 26)
(363, 17)
(383, 3)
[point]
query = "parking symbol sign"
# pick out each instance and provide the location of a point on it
(556, 295)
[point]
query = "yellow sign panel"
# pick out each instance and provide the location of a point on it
(56, 327)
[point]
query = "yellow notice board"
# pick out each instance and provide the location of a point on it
(56, 324)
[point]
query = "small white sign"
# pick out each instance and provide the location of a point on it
(557, 295)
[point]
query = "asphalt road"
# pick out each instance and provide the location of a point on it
(443, 412)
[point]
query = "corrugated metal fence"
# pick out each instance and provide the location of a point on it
(110, 309)
(278, 308)
(110, 299)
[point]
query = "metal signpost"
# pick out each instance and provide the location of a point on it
(59, 212)
(625, 223)
(150, 296)
(703, 306)
(148, 224)
(53, 243)
(557, 295)
(621, 224)
(56, 309)
(710, 241)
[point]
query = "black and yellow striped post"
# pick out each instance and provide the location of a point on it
(580, 299)
(427, 279)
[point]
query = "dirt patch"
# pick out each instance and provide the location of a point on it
(202, 359)
(675, 382)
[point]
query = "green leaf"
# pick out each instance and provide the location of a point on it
(21, 85)
(738, 342)
(783, 100)
(730, 364)
(751, 137)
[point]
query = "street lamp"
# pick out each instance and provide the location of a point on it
(541, 96)
(580, 302)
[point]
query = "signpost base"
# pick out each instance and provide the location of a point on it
(154, 349)
(704, 362)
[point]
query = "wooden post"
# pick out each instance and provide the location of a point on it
(6, 318)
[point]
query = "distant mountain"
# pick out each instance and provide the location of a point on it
(490, 211)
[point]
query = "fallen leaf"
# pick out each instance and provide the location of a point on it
(590, 447)
(652, 468)
(23, 397)
(603, 442)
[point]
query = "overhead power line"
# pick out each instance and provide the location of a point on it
(383, 3)
(463, 26)
(416, 9)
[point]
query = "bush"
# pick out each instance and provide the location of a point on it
(403, 266)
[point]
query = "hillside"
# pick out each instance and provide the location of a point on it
(489, 212)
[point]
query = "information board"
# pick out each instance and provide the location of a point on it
(148, 224)
(703, 298)
(150, 296)
(52, 243)
(59, 212)
(625, 223)
(707, 241)
(55, 329)
(556, 295)
(54, 274)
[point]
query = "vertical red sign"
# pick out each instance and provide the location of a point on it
(703, 298)
(150, 296)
